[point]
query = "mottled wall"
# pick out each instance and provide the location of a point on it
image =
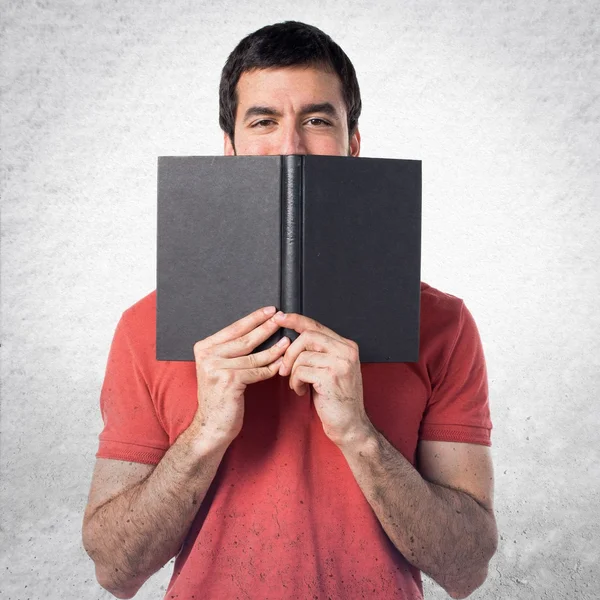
(501, 102)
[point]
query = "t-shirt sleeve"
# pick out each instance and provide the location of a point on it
(458, 408)
(132, 429)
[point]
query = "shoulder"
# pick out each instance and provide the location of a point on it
(142, 311)
(138, 323)
(439, 310)
(445, 320)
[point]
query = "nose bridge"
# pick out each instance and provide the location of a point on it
(292, 142)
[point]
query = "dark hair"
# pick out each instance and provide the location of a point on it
(286, 44)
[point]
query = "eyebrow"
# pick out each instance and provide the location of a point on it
(323, 107)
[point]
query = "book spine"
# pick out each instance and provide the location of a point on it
(291, 237)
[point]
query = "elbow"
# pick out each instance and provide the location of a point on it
(464, 586)
(117, 587)
(468, 585)
(109, 576)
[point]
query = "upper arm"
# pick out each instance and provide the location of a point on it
(133, 427)
(110, 479)
(460, 466)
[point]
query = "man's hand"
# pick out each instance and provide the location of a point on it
(445, 528)
(330, 363)
(138, 516)
(224, 367)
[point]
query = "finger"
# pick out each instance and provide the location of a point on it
(315, 359)
(242, 326)
(243, 345)
(304, 376)
(254, 375)
(307, 359)
(314, 341)
(301, 323)
(258, 359)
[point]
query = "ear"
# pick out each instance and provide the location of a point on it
(228, 146)
(355, 143)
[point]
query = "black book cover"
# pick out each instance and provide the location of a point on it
(335, 238)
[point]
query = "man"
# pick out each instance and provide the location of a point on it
(290, 473)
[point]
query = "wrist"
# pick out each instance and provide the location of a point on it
(359, 438)
(202, 441)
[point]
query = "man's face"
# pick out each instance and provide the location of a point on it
(291, 110)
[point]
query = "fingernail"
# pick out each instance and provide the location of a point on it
(283, 341)
(269, 310)
(280, 315)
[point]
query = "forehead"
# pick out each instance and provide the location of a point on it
(298, 85)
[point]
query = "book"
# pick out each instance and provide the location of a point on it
(337, 239)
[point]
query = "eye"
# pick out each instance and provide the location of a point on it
(263, 123)
(318, 122)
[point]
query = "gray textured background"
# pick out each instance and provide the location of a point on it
(500, 101)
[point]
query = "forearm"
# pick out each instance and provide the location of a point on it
(134, 534)
(443, 532)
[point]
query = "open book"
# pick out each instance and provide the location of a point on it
(335, 238)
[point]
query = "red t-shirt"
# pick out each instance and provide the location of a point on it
(284, 516)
